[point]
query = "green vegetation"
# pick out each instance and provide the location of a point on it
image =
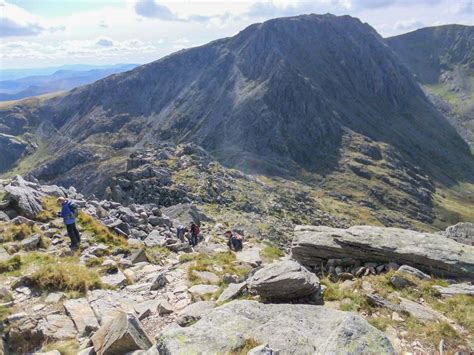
(219, 264)
(70, 347)
(270, 253)
(50, 209)
(94, 262)
(187, 257)
(157, 254)
(12, 264)
(249, 345)
(99, 232)
(66, 277)
(16, 232)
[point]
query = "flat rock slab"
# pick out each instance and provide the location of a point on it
(231, 292)
(194, 312)
(456, 289)
(82, 315)
(419, 311)
(250, 256)
(290, 328)
(284, 280)
(207, 277)
(57, 327)
(432, 253)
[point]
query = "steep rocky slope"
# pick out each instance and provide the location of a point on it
(133, 285)
(442, 60)
(316, 100)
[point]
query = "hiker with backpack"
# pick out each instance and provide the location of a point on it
(69, 212)
(180, 232)
(195, 231)
(234, 240)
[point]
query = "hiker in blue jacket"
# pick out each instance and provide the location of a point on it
(68, 213)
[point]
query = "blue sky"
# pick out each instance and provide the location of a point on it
(39, 33)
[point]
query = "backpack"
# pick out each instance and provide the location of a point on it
(74, 209)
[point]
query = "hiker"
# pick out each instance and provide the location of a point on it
(69, 213)
(195, 231)
(234, 240)
(180, 232)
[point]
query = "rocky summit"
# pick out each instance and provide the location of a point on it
(319, 143)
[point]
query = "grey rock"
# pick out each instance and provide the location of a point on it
(284, 280)
(155, 238)
(456, 289)
(461, 232)
(293, 329)
(185, 214)
(82, 315)
(54, 297)
(4, 217)
(406, 269)
(27, 199)
(159, 281)
(378, 301)
(194, 312)
(57, 327)
(199, 291)
(263, 349)
(138, 256)
(398, 281)
(117, 279)
(164, 307)
(232, 291)
(431, 253)
(31, 243)
(207, 277)
(250, 256)
(120, 335)
(419, 311)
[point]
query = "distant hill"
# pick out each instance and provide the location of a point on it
(442, 60)
(319, 99)
(59, 80)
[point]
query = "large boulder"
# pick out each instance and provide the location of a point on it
(285, 280)
(461, 233)
(25, 197)
(432, 253)
(290, 328)
(120, 335)
(82, 315)
(184, 213)
(194, 312)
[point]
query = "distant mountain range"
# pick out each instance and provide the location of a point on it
(47, 80)
(316, 98)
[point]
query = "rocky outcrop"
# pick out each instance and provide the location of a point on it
(120, 335)
(431, 253)
(11, 149)
(292, 329)
(285, 280)
(26, 198)
(461, 233)
(456, 289)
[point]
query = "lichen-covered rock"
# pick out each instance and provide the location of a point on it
(432, 253)
(194, 312)
(285, 280)
(461, 233)
(120, 335)
(27, 199)
(290, 328)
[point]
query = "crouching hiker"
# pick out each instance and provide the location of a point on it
(234, 240)
(69, 213)
(180, 232)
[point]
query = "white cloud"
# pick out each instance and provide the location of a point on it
(14, 21)
(151, 9)
(104, 42)
(408, 25)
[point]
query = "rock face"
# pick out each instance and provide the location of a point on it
(461, 233)
(11, 149)
(120, 335)
(431, 253)
(284, 280)
(292, 329)
(26, 199)
(456, 289)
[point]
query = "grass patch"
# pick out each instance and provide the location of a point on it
(270, 253)
(184, 258)
(354, 299)
(69, 347)
(16, 232)
(66, 277)
(99, 232)
(94, 262)
(157, 254)
(380, 323)
(50, 209)
(219, 264)
(249, 345)
(12, 264)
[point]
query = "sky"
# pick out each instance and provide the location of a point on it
(43, 33)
